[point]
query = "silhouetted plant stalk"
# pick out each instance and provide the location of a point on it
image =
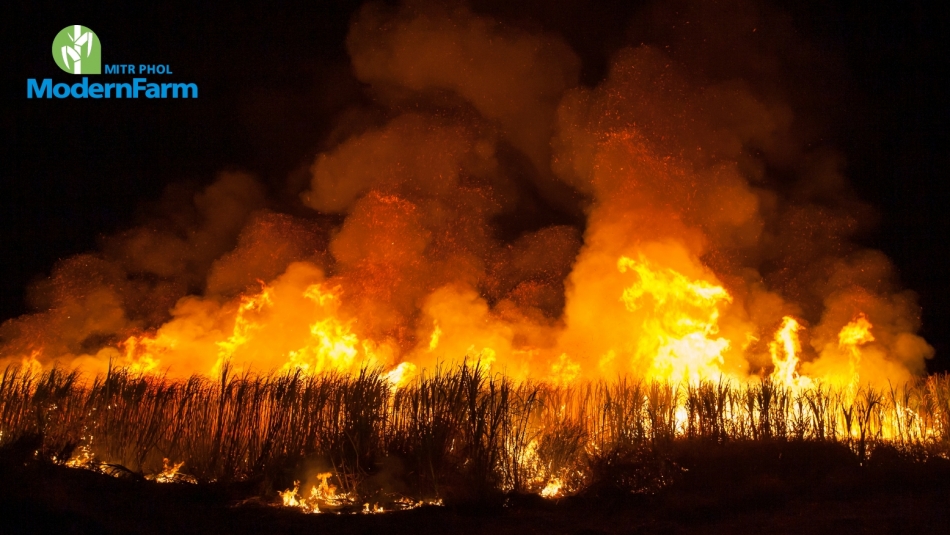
(452, 428)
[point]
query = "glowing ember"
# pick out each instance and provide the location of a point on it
(82, 458)
(375, 509)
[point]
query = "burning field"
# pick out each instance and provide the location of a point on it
(494, 283)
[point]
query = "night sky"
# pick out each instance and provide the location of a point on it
(274, 78)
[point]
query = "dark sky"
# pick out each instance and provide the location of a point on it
(273, 77)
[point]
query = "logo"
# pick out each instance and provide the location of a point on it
(76, 50)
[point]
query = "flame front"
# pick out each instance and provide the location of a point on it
(673, 321)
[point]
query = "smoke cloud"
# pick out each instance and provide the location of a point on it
(709, 216)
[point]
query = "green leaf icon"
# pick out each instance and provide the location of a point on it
(76, 50)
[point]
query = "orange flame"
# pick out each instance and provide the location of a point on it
(679, 331)
(850, 339)
(785, 350)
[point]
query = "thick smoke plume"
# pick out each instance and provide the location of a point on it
(708, 221)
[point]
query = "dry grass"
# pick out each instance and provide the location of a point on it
(455, 431)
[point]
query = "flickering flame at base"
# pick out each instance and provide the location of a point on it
(171, 474)
(321, 494)
(324, 498)
(552, 489)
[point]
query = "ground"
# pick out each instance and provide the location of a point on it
(780, 487)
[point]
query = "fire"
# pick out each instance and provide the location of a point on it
(31, 364)
(434, 339)
(679, 330)
(242, 325)
(676, 318)
(376, 508)
(785, 350)
(564, 370)
(552, 489)
(856, 333)
(141, 353)
(171, 473)
(82, 458)
(686, 253)
(850, 339)
(491, 211)
(401, 375)
(324, 498)
(333, 347)
(288, 325)
(290, 497)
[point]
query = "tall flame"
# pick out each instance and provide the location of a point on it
(851, 337)
(681, 322)
(786, 350)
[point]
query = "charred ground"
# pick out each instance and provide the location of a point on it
(782, 487)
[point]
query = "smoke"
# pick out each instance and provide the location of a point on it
(513, 78)
(677, 168)
(95, 300)
(710, 214)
